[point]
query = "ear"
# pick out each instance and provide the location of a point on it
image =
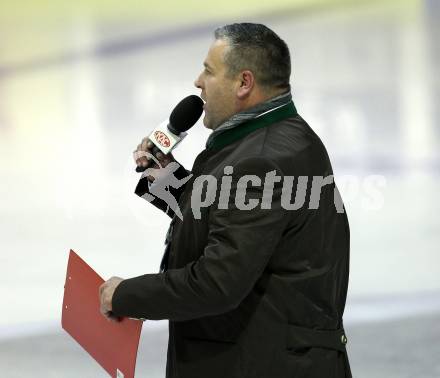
(246, 84)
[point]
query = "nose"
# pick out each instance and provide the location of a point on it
(198, 82)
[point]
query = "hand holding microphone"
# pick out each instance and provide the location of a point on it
(165, 137)
(146, 149)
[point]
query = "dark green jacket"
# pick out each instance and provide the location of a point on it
(252, 293)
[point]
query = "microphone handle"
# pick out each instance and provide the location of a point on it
(151, 162)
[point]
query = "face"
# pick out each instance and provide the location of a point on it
(218, 90)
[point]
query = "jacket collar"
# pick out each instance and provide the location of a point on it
(265, 119)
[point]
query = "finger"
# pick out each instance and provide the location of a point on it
(137, 155)
(167, 159)
(105, 306)
(101, 299)
(140, 157)
(101, 288)
(150, 144)
(164, 159)
(144, 144)
(103, 310)
(145, 160)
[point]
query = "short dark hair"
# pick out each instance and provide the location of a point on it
(259, 49)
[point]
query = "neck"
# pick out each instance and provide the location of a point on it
(258, 97)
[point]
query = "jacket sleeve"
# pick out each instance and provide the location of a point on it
(240, 244)
(143, 191)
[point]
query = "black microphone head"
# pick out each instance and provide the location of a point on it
(185, 114)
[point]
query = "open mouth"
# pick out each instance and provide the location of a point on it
(204, 102)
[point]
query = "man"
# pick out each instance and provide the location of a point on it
(253, 286)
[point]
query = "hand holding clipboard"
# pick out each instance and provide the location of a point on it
(113, 345)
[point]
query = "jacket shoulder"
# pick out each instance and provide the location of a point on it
(290, 144)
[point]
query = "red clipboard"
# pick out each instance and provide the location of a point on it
(113, 345)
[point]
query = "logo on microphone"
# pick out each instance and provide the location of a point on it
(162, 139)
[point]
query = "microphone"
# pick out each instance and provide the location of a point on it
(170, 133)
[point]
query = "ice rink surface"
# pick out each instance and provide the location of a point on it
(365, 78)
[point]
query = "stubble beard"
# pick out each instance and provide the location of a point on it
(209, 122)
